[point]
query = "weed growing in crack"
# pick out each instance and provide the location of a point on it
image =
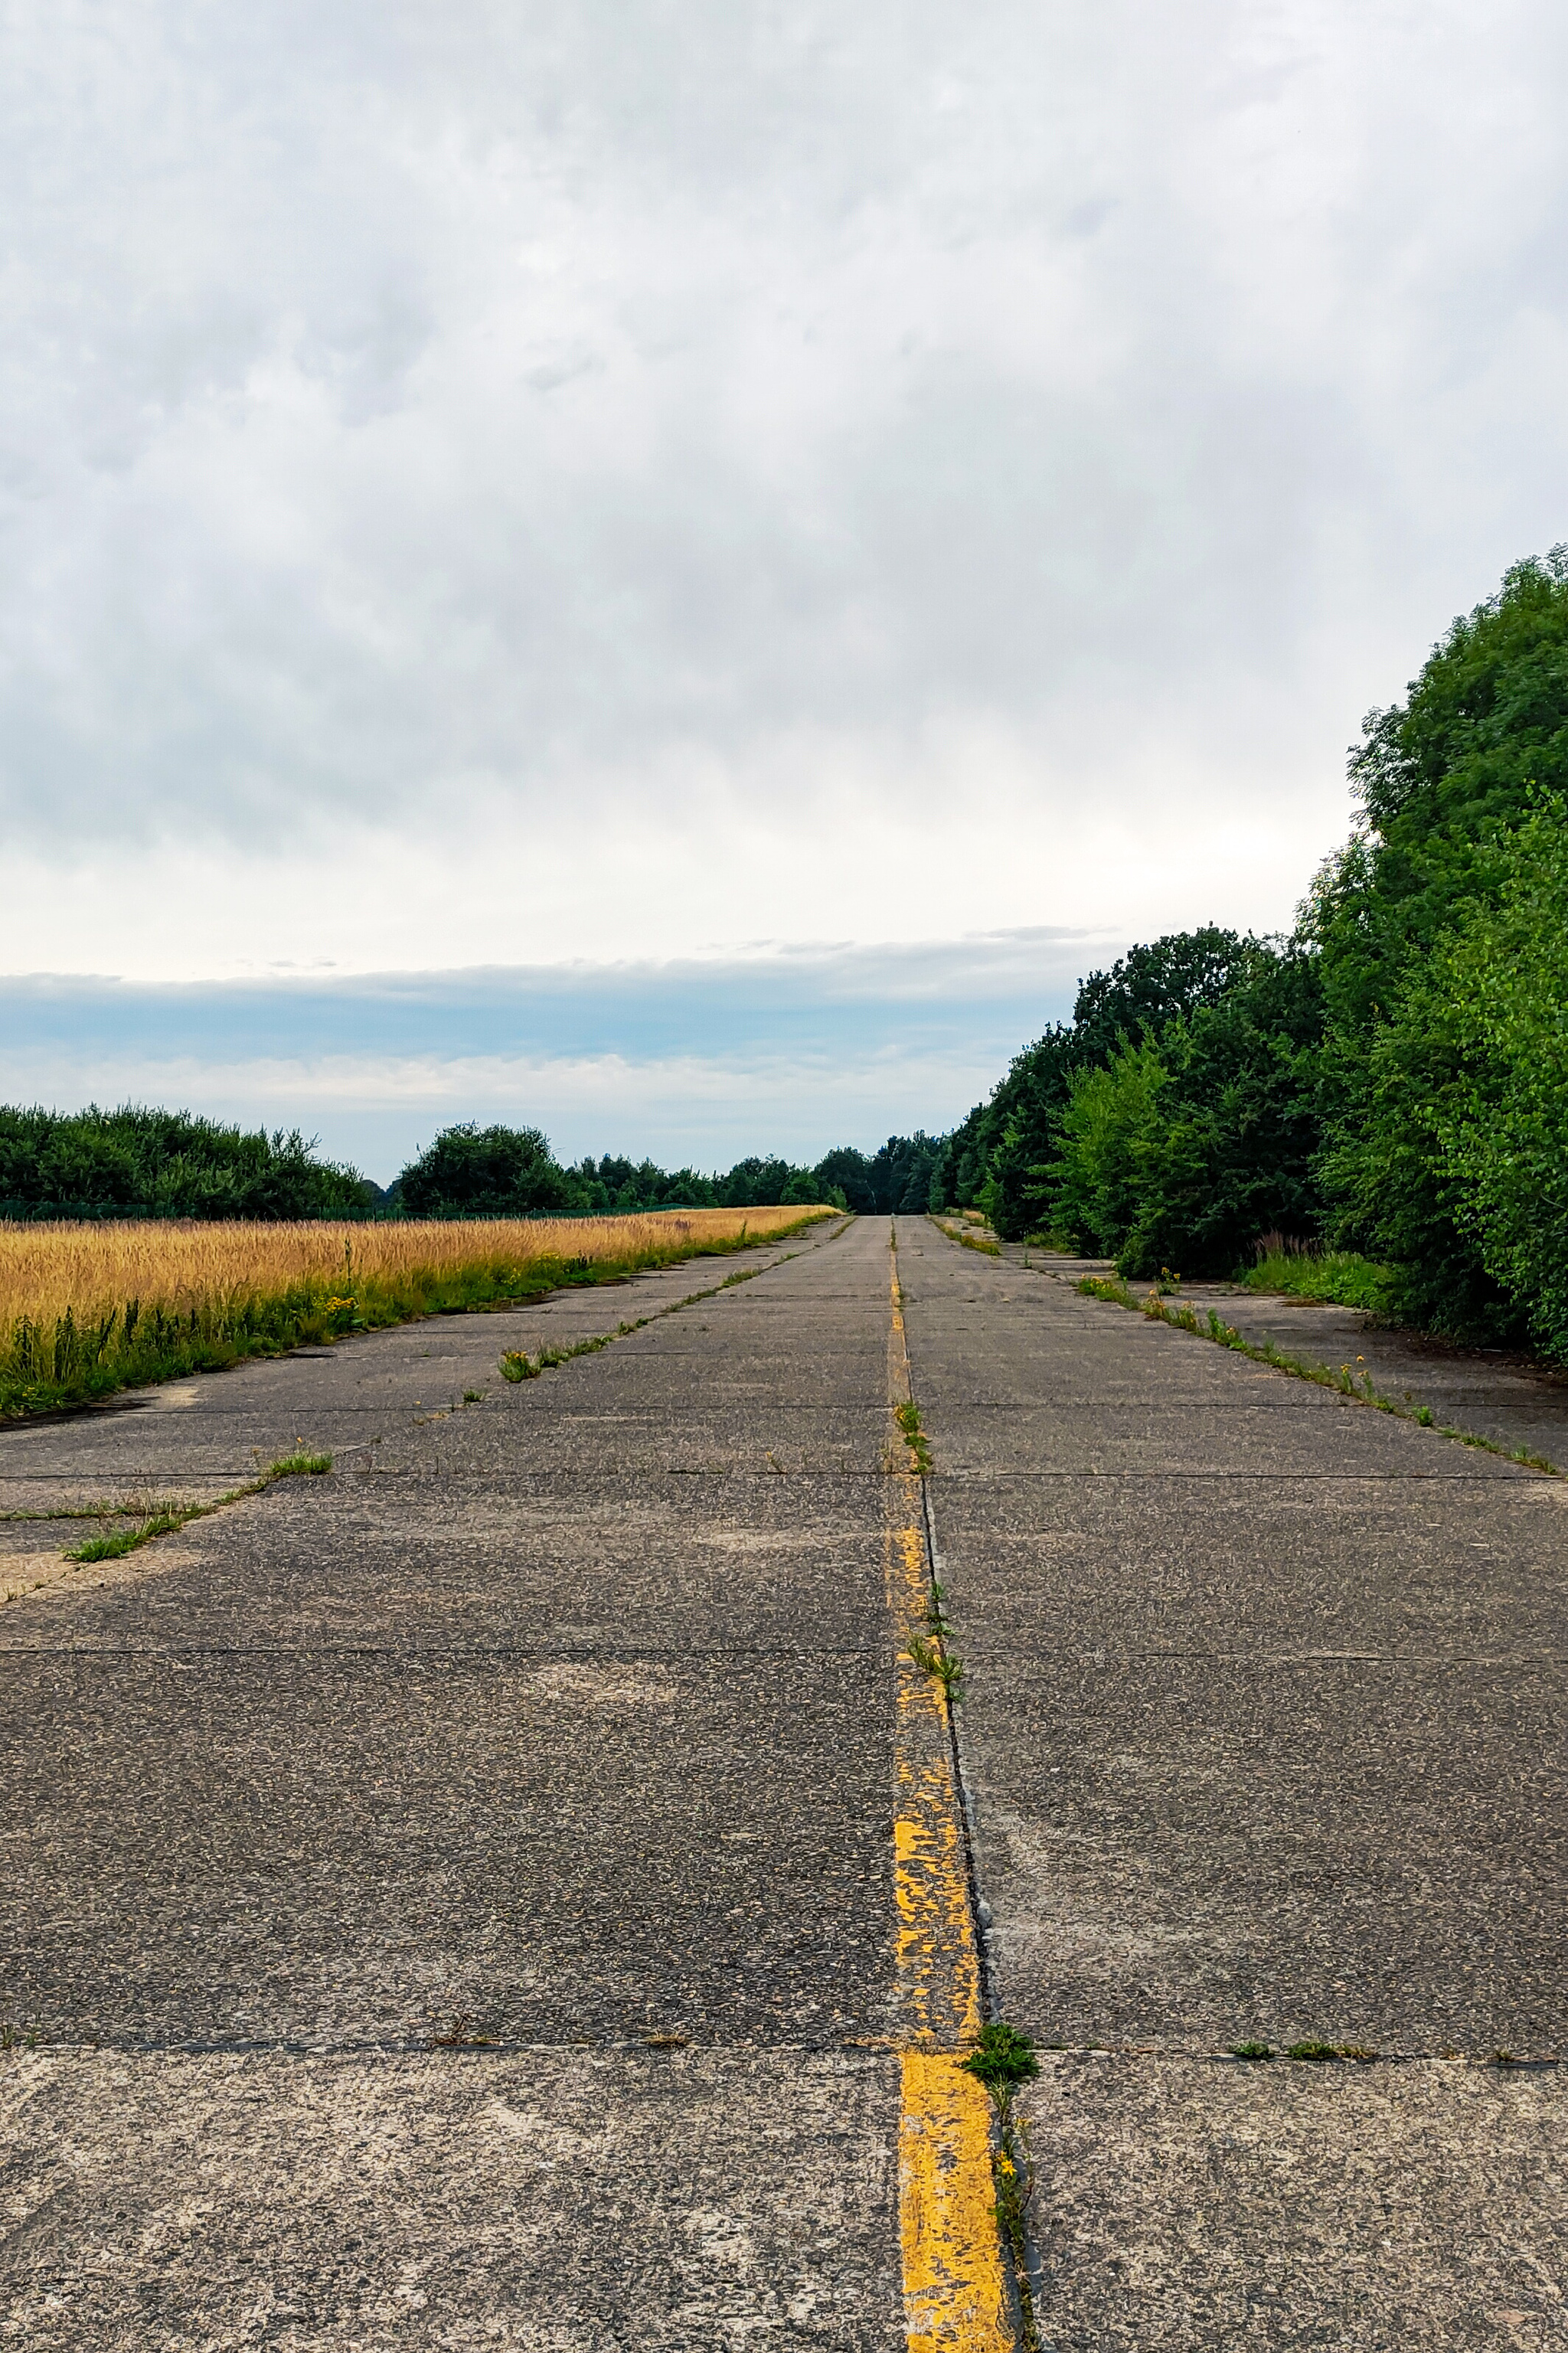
(908, 1416)
(1108, 1286)
(124, 1540)
(1252, 2050)
(981, 1242)
(1003, 2062)
(933, 1660)
(167, 1517)
(517, 1364)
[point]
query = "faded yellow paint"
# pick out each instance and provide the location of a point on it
(955, 2291)
(938, 1972)
(956, 2295)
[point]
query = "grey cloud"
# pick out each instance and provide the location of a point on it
(567, 397)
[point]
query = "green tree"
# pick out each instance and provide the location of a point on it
(1497, 994)
(149, 1162)
(1442, 778)
(997, 1159)
(1112, 1112)
(487, 1172)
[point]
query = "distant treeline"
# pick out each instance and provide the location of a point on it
(472, 1171)
(153, 1163)
(1391, 1079)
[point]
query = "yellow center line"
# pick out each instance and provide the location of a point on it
(956, 2289)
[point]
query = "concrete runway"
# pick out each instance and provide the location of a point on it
(509, 1893)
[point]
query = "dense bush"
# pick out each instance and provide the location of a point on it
(1178, 1152)
(995, 1161)
(1393, 1083)
(486, 1172)
(1450, 781)
(1496, 993)
(140, 1163)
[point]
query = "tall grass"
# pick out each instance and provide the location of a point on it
(1305, 1271)
(88, 1309)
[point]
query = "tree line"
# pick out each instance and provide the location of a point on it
(139, 1162)
(1391, 1079)
(472, 1171)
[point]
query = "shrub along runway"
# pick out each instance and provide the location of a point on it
(509, 1891)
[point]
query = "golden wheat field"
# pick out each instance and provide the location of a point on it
(89, 1269)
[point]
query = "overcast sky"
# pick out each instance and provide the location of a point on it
(598, 485)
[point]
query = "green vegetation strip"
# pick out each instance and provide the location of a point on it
(1359, 1386)
(981, 1242)
(1003, 2062)
(1339, 1278)
(158, 1519)
(171, 1515)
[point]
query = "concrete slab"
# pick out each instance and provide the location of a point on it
(1197, 1852)
(1257, 1566)
(567, 2200)
(236, 1848)
(1189, 2207)
(1319, 1435)
(529, 1565)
